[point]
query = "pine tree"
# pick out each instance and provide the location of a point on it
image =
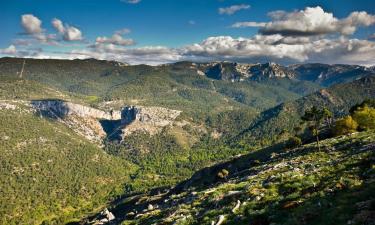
(314, 117)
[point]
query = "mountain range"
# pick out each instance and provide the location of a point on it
(80, 135)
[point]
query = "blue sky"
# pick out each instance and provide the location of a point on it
(171, 30)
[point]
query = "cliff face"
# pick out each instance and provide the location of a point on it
(146, 119)
(62, 108)
(94, 123)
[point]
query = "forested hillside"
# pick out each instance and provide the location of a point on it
(79, 135)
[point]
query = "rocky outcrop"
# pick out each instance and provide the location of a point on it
(328, 75)
(241, 71)
(63, 108)
(270, 70)
(146, 119)
(84, 120)
(96, 124)
(323, 74)
(105, 217)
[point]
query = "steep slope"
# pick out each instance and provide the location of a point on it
(328, 75)
(48, 172)
(273, 123)
(302, 185)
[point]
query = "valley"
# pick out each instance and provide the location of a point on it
(148, 142)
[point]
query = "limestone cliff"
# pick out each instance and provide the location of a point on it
(96, 124)
(146, 119)
(63, 108)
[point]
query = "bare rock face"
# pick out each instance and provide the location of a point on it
(96, 125)
(146, 119)
(82, 119)
(270, 70)
(241, 71)
(62, 108)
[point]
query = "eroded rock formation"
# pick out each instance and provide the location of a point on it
(96, 124)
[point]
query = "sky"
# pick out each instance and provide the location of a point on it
(165, 31)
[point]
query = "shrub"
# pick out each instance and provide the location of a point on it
(293, 142)
(223, 174)
(365, 117)
(345, 125)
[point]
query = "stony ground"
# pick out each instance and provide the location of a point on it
(299, 186)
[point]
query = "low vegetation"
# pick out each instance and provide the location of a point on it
(303, 185)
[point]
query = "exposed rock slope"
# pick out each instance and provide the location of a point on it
(146, 119)
(94, 123)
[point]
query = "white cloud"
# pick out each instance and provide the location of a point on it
(11, 50)
(310, 21)
(31, 24)
(151, 55)
(290, 37)
(249, 24)
(226, 47)
(259, 48)
(284, 49)
(116, 39)
(58, 25)
(343, 51)
(72, 34)
(233, 9)
(33, 28)
(69, 33)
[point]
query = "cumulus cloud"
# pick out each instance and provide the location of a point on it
(33, 28)
(31, 24)
(290, 37)
(260, 48)
(58, 25)
(72, 34)
(309, 22)
(226, 47)
(284, 49)
(233, 9)
(69, 33)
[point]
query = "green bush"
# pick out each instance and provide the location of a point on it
(293, 142)
(365, 117)
(223, 174)
(345, 125)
